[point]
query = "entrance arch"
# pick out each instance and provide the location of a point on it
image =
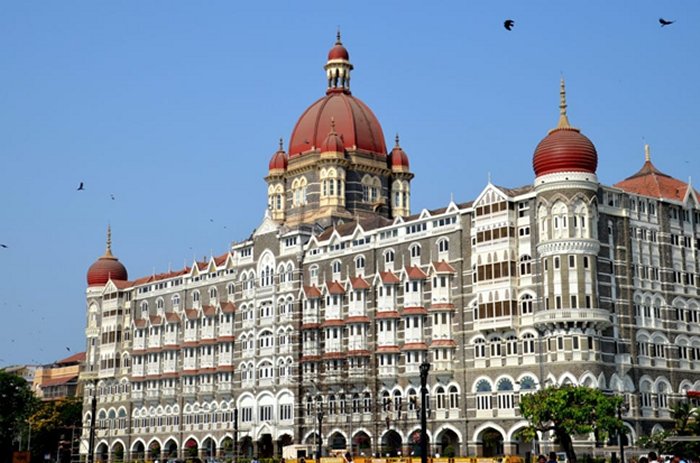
(265, 447)
(361, 444)
(117, 452)
(391, 443)
(247, 447)
(414, 444)
(448, 443)
(102, 453)
(138, 451)
(338, 441)
(283, 441)
(491, 442)
(209, 447)
(170, 449)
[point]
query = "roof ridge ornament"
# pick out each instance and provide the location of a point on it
(563, 119)
(108, 251)
(647, 153)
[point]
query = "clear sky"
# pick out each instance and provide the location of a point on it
(175, 108)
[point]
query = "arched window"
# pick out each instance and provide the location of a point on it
(443, 246)
(360, 263)
(479, 348)
(483, 395)
(440, 396)
(454, 397)
(525, 265)
(526, 304)
(528, 343)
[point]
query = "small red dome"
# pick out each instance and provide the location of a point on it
(104, 268)
(399, 158)
(279, 160)
(333, 142)
(564, 149)
(338, 52)
(358, 126)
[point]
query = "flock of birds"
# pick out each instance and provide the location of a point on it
(509, 23)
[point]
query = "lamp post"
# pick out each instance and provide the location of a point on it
(235, 435)
(319, 416)
(621, 434)
(424, 368)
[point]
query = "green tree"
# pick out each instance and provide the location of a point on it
(685, 423)
(16, 403)
(53, 421)
(567, 411)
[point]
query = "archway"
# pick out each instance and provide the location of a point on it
(448, 443)
(391, 443)
(247, 447)
(283, 441)
(191, 448)
(265, 447)
(227, 448)
(414, 444)
(338, 441)
(491, 443)
(138, 451)
(102, 453)
(154, 450)
(170, 449)
(118, 452)
(209, 447)
(361, 444)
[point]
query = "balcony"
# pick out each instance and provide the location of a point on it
(494, 323)
(597, 318)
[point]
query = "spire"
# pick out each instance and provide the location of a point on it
(647, 153)
(563, 120)
(281, 144)
(397, 139)
(338, 67)
(108, 252)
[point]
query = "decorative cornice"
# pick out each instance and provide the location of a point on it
(568, 246)
(559, 180)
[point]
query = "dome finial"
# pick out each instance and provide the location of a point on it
(563, 119)
(108, 252)
(397, 139)
(647, 153)
(332, 124)
(281, 144)
(337, 37)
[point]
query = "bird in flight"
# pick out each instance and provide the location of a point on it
(665, 22)
(81, 187)
(112, 196)
(4, 246)
(68, 349)
(508, 24)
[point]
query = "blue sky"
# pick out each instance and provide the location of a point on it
(175, 107)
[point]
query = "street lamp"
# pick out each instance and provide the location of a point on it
(319, 416)
(235, 435)
(622, 407)
(424, 368)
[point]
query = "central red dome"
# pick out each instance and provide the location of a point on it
(565, 150)
(354, 121)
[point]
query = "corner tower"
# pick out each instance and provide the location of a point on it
(566, 187)
(337, 167)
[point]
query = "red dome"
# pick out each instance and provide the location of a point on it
(278, 161)
(564, 149)
(399, 158)
(354, 122)
(338, 52)
(104, 268)
(333, 142)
